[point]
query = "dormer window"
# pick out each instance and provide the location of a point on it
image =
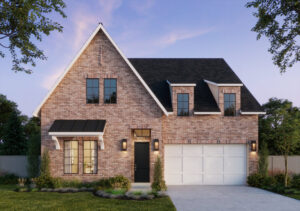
(229, 104)
(182, 104)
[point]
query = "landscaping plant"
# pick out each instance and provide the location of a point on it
(45, 180)
(158, 183)
(263, 160)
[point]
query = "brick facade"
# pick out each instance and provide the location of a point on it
(135, 109)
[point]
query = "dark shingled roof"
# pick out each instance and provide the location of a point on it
(156, 72)
(78, 126)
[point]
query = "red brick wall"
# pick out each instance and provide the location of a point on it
(135, 108)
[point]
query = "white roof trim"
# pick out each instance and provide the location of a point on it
(216, 84)
(100, 26)
(60, 134)
(252, 113)
(207, 113)
(181, 84)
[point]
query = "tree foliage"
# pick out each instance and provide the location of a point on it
(14, 124)
(14, 142)
(21, 23)
(279, 21)
(282, 124)
(269, 125)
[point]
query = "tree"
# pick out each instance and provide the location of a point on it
(21, 23)
(279, 21)
(158, 182)
(288, 133)
(263, 159)
(13, 139)
(269, 123)
(33, 153)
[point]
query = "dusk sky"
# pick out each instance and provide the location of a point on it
(152, 28)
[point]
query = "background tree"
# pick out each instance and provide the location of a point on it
(269, 123)
(279, 21)
(288, 133)
(32, 131)
(13, 139)
(21, 23)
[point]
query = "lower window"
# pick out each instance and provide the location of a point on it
(71, 157)
(90, 157)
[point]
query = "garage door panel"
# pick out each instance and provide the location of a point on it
(235, 179)
(192, 150)
(192, 165)
(173, 165)
(212, 150)
(173, 150)
(173, 179)
(234, 150)
(213, 165)
(234, 165)
(213, 179)
(192, 179)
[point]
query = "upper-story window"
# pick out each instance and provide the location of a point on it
(110, 90)
(92, 90)
(182, 104)
(229, 104)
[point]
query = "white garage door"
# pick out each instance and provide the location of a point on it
(207, 164)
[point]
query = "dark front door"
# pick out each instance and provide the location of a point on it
(141, 162)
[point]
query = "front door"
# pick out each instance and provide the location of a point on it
(141, 162)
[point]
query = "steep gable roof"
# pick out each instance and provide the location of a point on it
(99, 27)
(157, 71)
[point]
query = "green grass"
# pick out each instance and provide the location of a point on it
(293, 195)
(11, 200)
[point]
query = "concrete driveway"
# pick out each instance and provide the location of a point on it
(225, 198)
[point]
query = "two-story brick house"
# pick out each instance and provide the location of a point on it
(109, 115)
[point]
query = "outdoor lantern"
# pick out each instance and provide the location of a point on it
(253, 146)
(156, 145)
(124, 144)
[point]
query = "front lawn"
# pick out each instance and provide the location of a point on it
(295, 196)
(11, 200)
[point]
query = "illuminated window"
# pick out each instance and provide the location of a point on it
(90, 157)
(71, 157)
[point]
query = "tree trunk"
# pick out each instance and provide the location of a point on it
(285, 170)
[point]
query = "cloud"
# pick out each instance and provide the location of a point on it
(83, 23)
(175, 36)
(142, 6)
(107, 9)
(49, 80)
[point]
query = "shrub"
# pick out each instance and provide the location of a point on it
(158, 183)
(45, 181)
(34, 144)
(9, 179)
(279, 178)
(295, 183)
(117, 182)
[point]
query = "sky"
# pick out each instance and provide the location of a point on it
(159, 29)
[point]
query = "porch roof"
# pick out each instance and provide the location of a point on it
(78, 126)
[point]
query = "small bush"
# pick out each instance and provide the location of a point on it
(279, 178)
(158, 183)
(9, 179)
(255, 180)
(45, 181)
(117, 182)
(295, 182)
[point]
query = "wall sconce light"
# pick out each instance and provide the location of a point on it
(253, 146)
(124, 145)
(156, 144)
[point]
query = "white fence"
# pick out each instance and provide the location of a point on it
(276, 164)
(14, 164)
